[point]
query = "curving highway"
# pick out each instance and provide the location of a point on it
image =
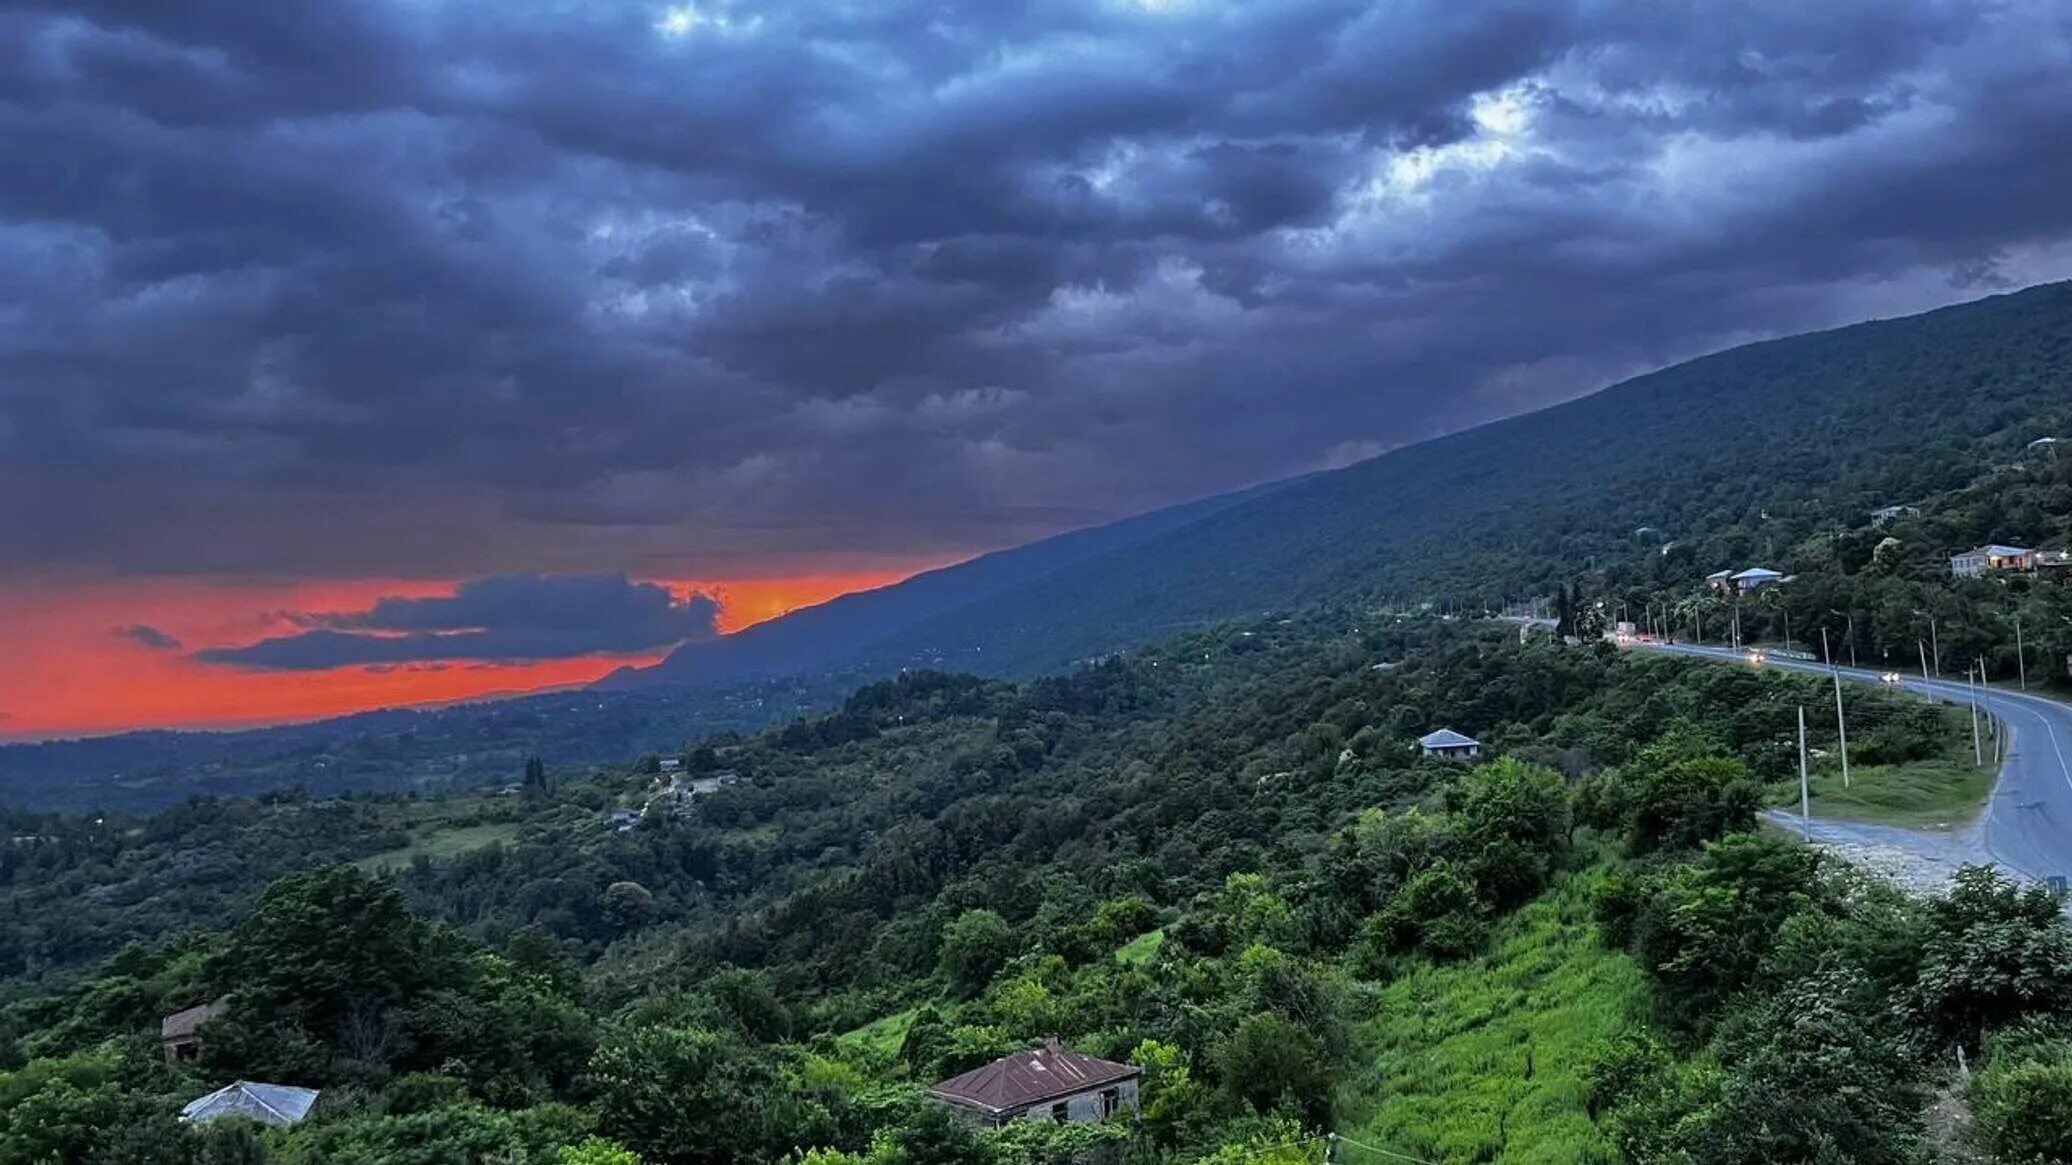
(2026, 826)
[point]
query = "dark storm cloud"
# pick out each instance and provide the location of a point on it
(149, 636)
(457, 287)
(505, 619)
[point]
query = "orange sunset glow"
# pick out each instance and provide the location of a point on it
(69, 672)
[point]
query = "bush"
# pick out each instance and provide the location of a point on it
(2022, 1112)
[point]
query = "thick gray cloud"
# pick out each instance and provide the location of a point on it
(149, 636)
(393, 287)
(505, 619)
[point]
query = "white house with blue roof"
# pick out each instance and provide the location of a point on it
(1450, 744)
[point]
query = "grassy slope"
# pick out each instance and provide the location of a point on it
(883, 1035)
(1483, 1061)
(441, 842)
(1141, 951)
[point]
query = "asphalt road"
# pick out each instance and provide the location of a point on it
(2026, 826)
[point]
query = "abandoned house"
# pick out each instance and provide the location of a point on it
(1048, 1083)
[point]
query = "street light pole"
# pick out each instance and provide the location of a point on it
(1978, 756)
(1841, 719)
(1805, 791)
(2021, 665)
(1924, 656)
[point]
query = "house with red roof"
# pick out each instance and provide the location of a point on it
(1049, 1083)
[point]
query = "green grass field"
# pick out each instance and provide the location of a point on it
(1483, 1061)
(1934, 794)
(1141, 951)
(882, 1035)
(437, 842)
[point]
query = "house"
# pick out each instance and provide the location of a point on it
(1755, 578)
(1450, 744)
(1991, 558)
(1720, 580)
(622, 820)
(1048, 1083)
(269, 1104)
(1884, 514)
(2051, 560)
(670, 764)
(177, 1032)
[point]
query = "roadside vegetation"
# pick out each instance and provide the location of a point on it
(1938, 788)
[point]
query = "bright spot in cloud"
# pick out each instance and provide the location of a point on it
(682, 20)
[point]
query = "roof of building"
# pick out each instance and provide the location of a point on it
(272, 1104)
(181, 1024)
(1027, 1078)
(1995, 550)
(1719, 574)
(1758, 572)
(1447, 738)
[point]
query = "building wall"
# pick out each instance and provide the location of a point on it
(1083, 1106)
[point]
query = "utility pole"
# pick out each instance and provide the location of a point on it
(1841, 720)
(1978, 757)
(1805, 789)
(1934, 647)
(1924, 657)
(2021, 666)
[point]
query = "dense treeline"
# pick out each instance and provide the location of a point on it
(1202, 859)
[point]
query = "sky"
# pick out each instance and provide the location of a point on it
(357, 352)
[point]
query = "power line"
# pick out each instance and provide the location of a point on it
(1384, 1152)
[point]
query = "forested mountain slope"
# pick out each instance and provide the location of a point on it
(1825, 426)
(834, 633)
(1222, 860)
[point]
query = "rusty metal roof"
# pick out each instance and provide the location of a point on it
(181, 1024)
(1029, 1078)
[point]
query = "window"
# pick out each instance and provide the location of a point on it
(1111, 1099)
(1060, 1113)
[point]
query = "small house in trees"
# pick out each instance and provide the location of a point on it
(269, 1104)
(178, 1032)
(1741, 582)
(1991, 558)
(1450, 745)
(1755, 578)
(1048, 1083)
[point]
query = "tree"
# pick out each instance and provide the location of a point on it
(628, 905)
(329, 954)
(1513, 825)
(1436, 909)
(1677, 797)
(689, 1096)
(975, 945)
(1274, 1066)
(1995, 953)
(596, 1151)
